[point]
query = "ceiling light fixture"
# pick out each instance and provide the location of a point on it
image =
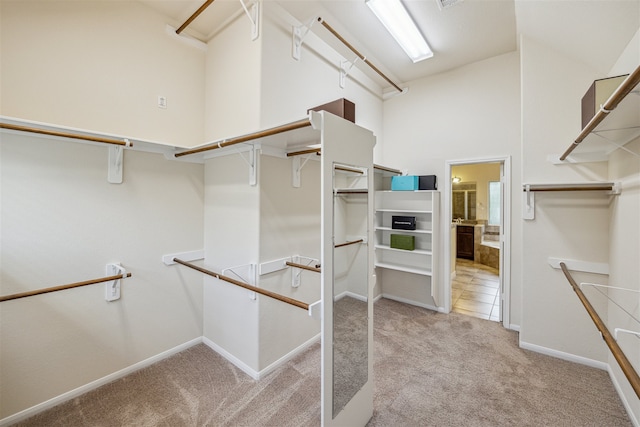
(397, 21)
(456, 179)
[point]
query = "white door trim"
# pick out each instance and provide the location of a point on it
(505, 252)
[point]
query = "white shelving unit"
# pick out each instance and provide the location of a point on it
(421, 287)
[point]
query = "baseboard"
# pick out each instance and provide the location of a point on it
(284, 359)
(623, 398)
(48, 404)
(256, 375)
(564, 356)
(411, 302)
(350, 294)
(514, 327)
(231, 358)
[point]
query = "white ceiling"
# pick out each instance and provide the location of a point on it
(593, 31)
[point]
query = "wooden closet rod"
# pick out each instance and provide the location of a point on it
(386, 169)
(126, 143)
(260, 134)
(349, 243)
(303, 152)
(361, 56)
(62, 287)
(617, 352)
(261, 291)
(304, 267)
(194, 16)
(623, 90)
(347, 169)
(604, 186)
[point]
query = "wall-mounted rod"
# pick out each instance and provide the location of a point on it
(304, 267)
(352, 191)
(349, 243)
(386, 169)
(617, 352)
(126, 143)
(63, 287)
(623, 90)
(361, 56)
(348, 169)
(587, 186)
(194, 16)
(303, 152)
(261, 291)
(260, 134)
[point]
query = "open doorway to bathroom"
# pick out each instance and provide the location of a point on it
(477, 207)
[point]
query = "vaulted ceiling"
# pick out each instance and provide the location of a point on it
(593, 31)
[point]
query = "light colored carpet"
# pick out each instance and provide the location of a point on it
(431, 369)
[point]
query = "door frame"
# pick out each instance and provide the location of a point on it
(505, 233)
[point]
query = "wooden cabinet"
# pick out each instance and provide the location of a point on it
(465, 241)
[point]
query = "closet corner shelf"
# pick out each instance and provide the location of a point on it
(417, 231)
(404, 211)
(616, 124)
(415, 251)
(405, 269)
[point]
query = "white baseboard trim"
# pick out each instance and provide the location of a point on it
(231, 358)
(350, 294)
(514, 327)
(411, 302)
(376, 299)
(293, 353)
(565, 356)
(256, 375)
(48, 404)
(623, 398)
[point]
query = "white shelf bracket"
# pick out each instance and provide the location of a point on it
(529, 203)
(252, 163)
(296, 272)
(116, 164)
(112, 289)
(298, 35)
(253, 13)
(245, 273)
(345, 69)
(315, 310)
(296, 169)
(615, 331)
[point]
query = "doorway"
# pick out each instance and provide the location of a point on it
(477, 200)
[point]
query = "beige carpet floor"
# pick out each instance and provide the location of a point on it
(431, 369)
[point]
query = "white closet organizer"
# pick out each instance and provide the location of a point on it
(421, 288)
(266, 210)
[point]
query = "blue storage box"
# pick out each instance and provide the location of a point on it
(404, 183)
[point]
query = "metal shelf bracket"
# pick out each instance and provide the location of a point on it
(253, 13)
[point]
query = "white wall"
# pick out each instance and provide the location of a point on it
(231, 238)
(624, 251)
(62, 223)
(100, 66)
(468, 113)
(289, 225)
(233, 81)
(567, 225)
(291, 87)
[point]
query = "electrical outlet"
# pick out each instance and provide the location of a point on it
(162, 101)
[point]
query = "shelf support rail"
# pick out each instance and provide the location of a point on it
(529, 202)
(597, 287)
(300, 32)
(623, 90)
(255, 289)
(63, 287)
(249, 137)
(353, 242)
(618, 354)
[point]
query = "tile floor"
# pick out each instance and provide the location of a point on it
(474, 290)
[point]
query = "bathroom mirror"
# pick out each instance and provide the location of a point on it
(350, 282)
(463, 201)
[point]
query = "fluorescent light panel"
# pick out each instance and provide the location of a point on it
(397, 21)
